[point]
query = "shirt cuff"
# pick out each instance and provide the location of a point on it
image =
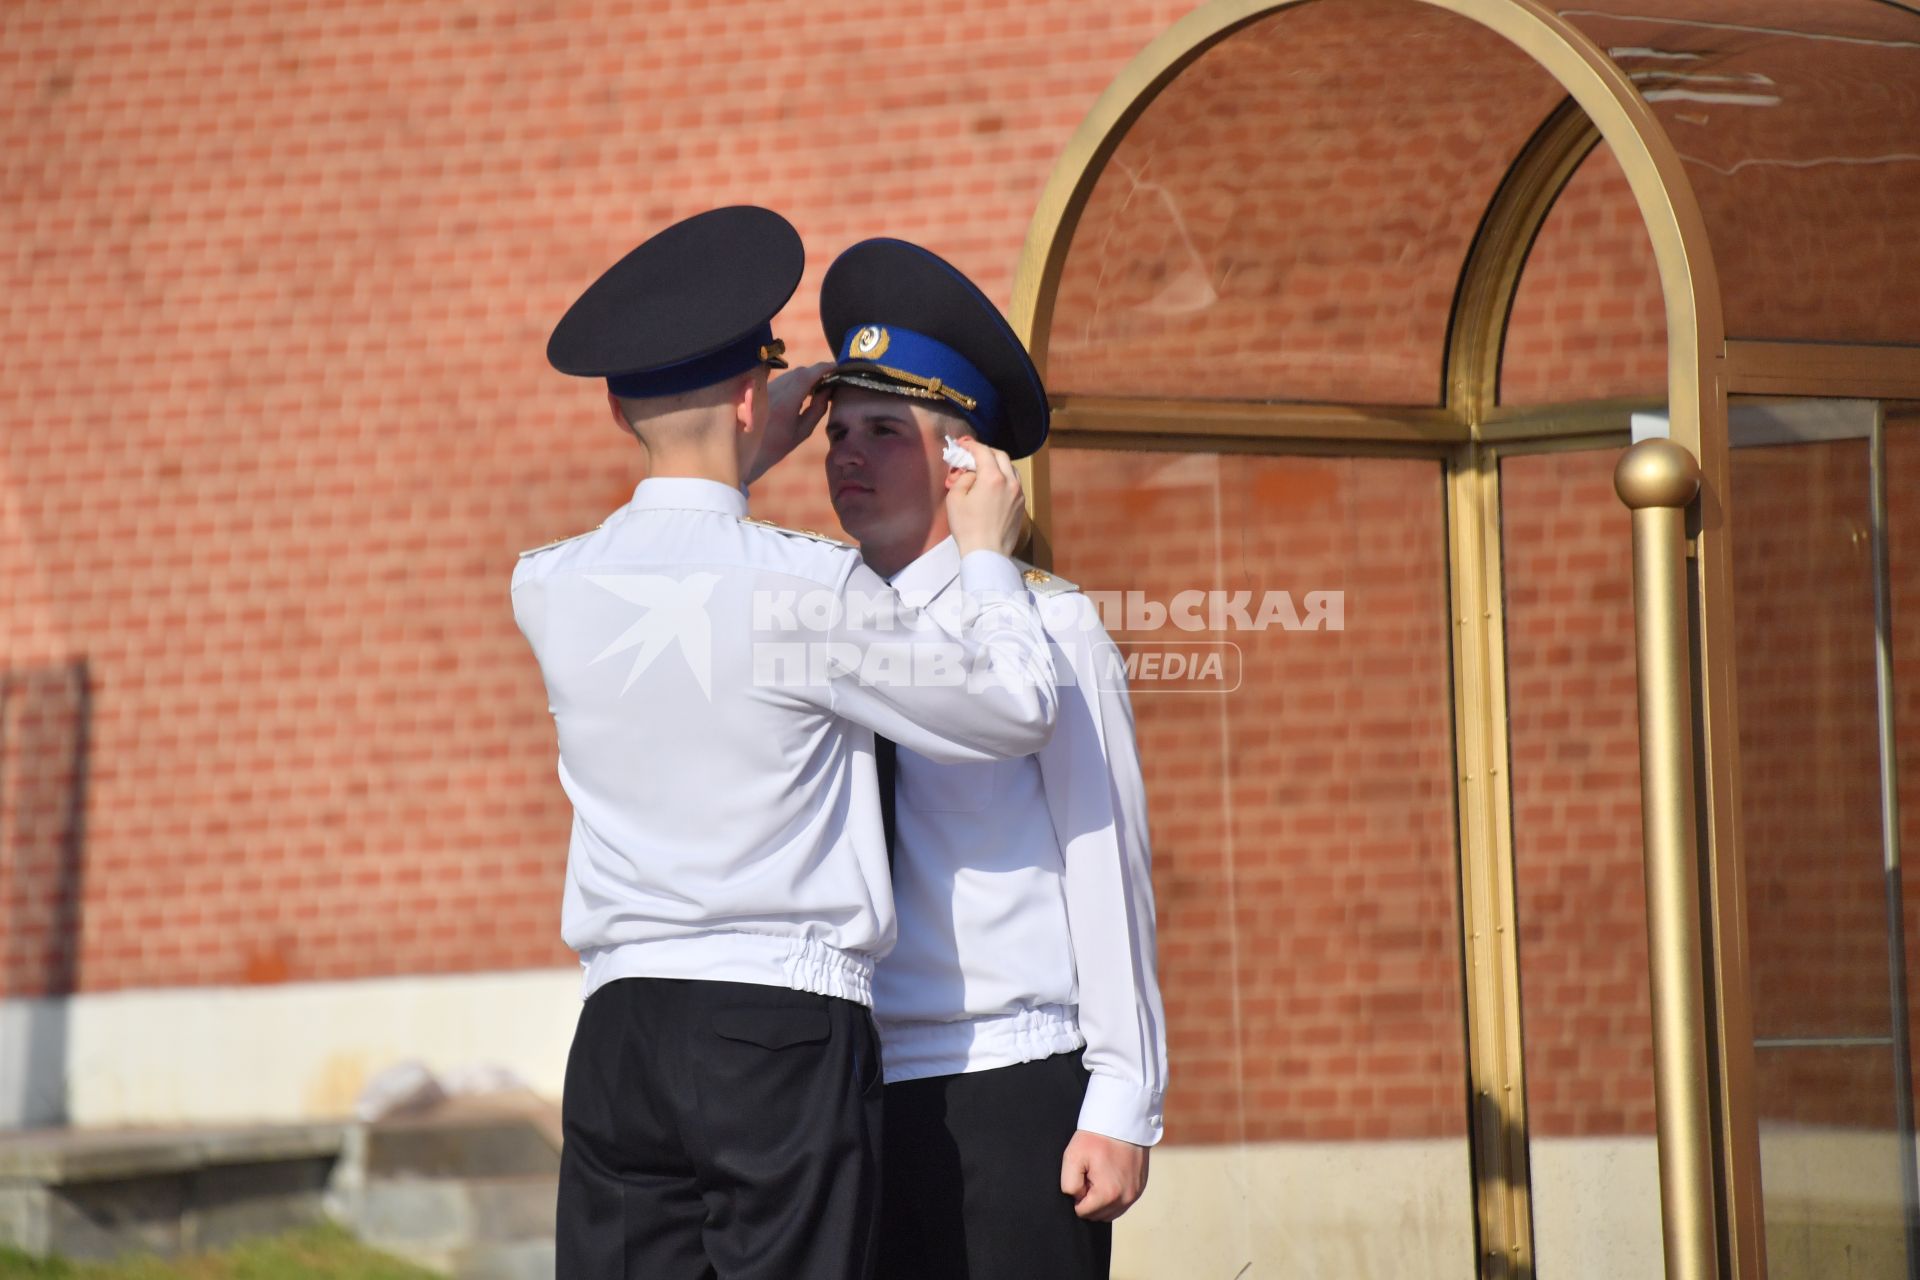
(1120, 1109)
(988, 574)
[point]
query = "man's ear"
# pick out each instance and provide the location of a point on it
(750, 403)
(620, 416)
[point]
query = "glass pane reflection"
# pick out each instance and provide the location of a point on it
(1830, 1163)
(1799, 125)
(1288, 219)
(1818, 939)
(1903, 564)
(1303, 858)
(1809, 755)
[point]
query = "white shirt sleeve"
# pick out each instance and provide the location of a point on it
(978, 686)
(1097, 798)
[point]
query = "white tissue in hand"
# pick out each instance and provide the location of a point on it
(955, 456)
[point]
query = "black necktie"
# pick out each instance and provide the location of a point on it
(887, 761)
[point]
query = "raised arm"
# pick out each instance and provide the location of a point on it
(974, 680)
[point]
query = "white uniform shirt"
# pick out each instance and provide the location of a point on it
(720, 760)
(1025, 893)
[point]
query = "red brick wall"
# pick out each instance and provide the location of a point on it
(1588, 321)
(277, 416)
(276, 419)
(1573, 735)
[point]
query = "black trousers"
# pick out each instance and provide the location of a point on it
(971, 1180)
(719, 1131)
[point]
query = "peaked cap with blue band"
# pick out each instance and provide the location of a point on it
(907, 322)
(689, 308)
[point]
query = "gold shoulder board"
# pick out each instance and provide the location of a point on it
(1042, 583)
(798, 533)
(557, 542)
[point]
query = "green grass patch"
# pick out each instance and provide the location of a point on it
(319, 1253)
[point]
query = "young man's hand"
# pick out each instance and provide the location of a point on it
(794, 409)
(985, 509)
(1103, 1175)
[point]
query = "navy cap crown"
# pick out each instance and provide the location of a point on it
(690, 307)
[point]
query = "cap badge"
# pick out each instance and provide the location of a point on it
(870, 343)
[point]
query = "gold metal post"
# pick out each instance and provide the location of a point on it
(1658, 479)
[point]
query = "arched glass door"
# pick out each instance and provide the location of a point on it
(1356, 299)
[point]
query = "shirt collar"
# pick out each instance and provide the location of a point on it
(687, 493)
(932, 573)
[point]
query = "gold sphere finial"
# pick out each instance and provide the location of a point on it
(1656, 473)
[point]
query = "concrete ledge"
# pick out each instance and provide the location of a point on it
(468, 1189)
(461, 1146)
(93, 1196)
(60, 1156)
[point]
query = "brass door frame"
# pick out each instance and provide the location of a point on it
(1711, 1204)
